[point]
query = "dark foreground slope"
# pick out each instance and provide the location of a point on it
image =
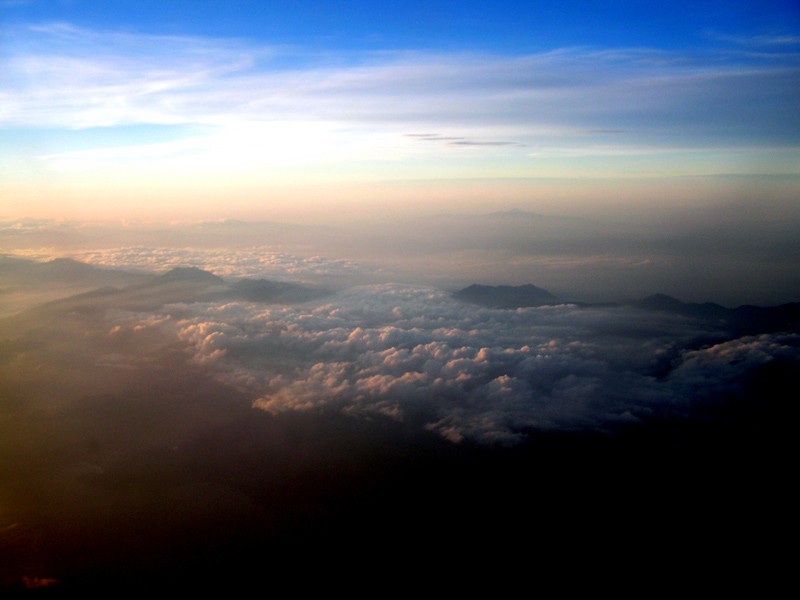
(166, 479)
(328, 504)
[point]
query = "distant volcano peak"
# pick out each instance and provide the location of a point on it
(506, 296)
(191, 274)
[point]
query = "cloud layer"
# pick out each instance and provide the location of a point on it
(253, 262)
(416, 354)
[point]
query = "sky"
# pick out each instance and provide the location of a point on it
(308, 111)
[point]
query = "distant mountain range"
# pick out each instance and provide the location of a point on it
(66, 284)
(743, 320)
(21, 271)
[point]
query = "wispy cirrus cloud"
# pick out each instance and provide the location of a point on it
(774, 42)
(64, 77)
(457, 141)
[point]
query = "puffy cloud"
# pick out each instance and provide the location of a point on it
(463, 371)
(722, 369)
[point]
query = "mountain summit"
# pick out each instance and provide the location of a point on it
(191, 274)
(506, 296)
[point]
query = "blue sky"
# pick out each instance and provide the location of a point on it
(180, 104)
(501, 25)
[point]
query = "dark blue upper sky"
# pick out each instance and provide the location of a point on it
(471, 24)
